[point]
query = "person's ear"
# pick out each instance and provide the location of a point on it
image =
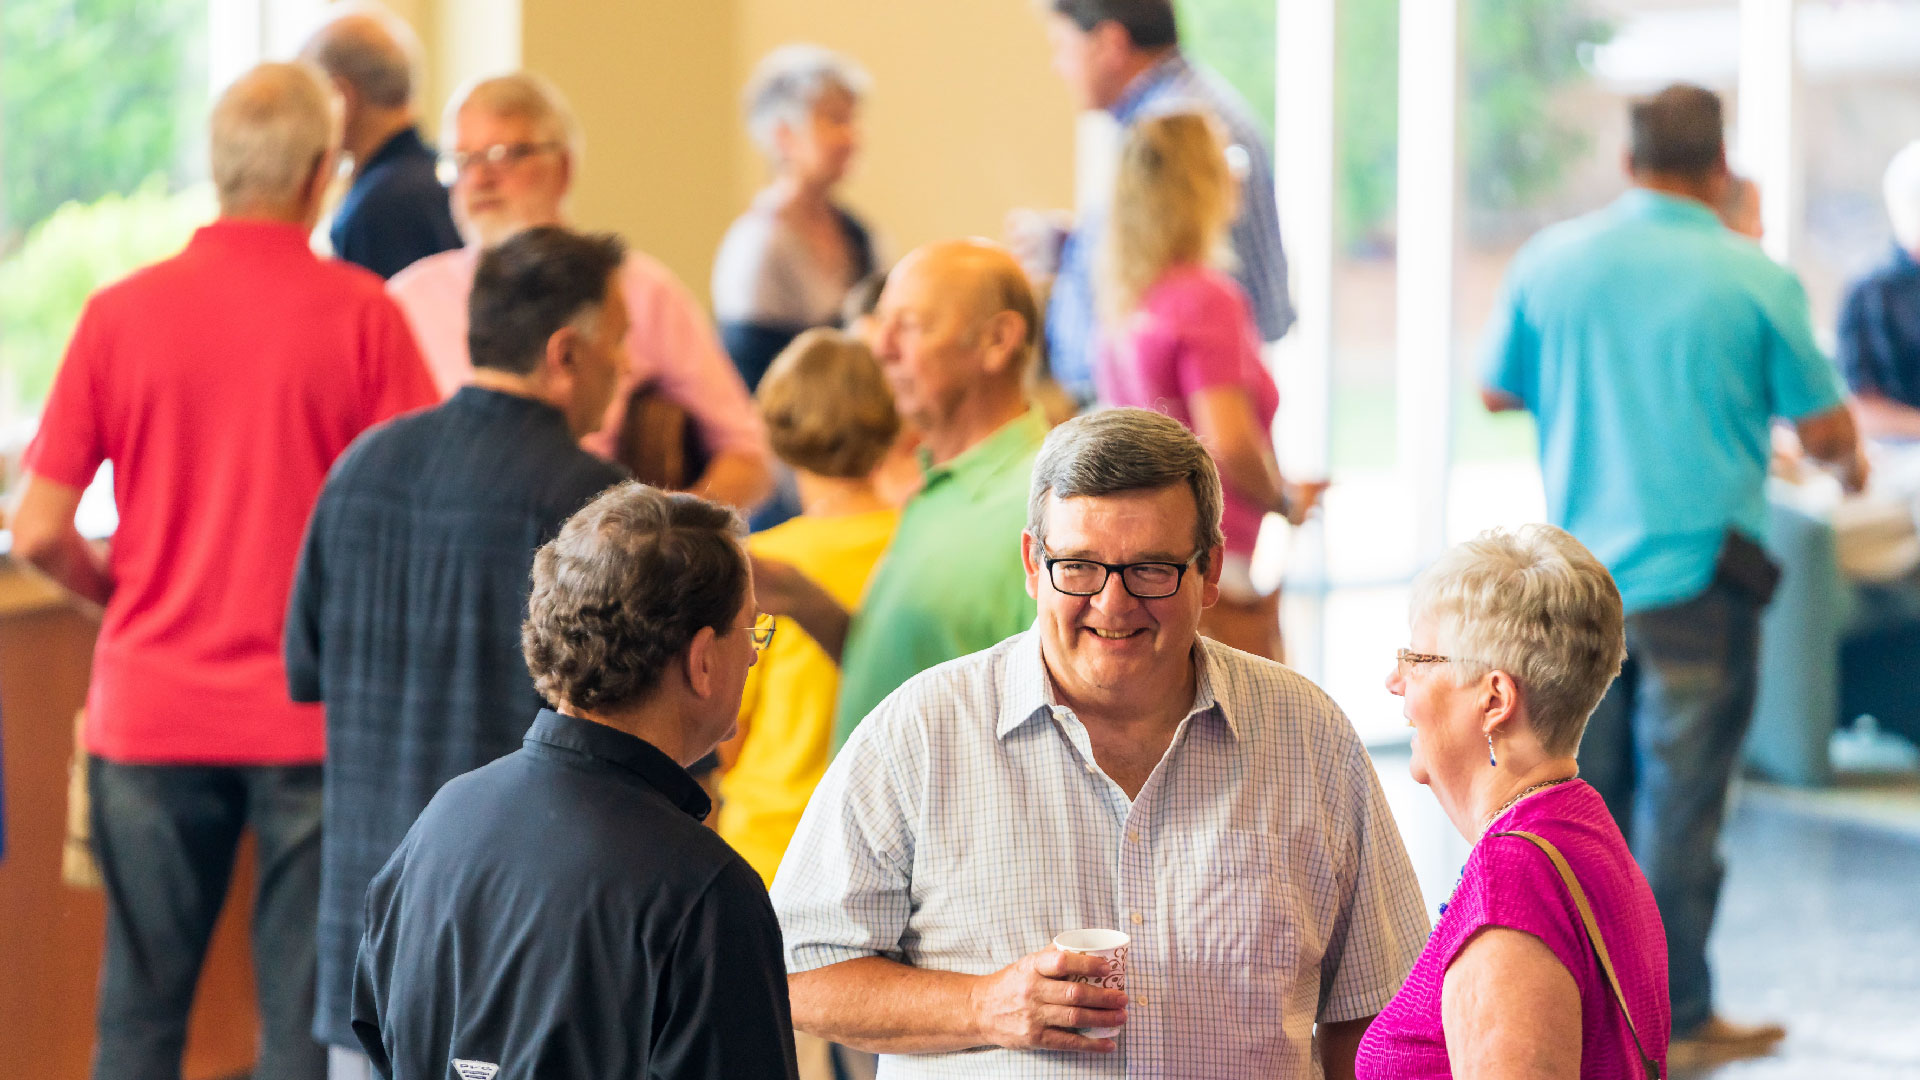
(1006, 337)
(1210, 580)
(1499, 701)
(702, 663)
(1030, 558)
(562, 352)
(1109, 41)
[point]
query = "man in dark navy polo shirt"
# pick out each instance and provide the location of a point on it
(406, 610)
(562, 912)
(397, 210)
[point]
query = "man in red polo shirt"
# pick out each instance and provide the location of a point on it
(221, 384)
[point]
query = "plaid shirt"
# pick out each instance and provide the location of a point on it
(1172, 86)
(1259, 870)
(405, 622)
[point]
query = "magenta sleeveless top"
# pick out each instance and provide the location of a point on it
(1509, 882)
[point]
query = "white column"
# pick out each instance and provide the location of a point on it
(1429, 227)
(1769, 121)
(1304, 181)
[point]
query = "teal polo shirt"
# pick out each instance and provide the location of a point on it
(952, 582)
(1653, 347)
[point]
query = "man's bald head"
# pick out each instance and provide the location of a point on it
(957, 331)
(273, 136)
(371, 52)
(985, 281)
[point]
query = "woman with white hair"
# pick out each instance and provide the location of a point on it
(786, 264)
(1549, 960)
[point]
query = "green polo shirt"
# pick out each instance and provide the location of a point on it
(952, 582)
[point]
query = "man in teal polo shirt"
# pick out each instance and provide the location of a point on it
(1654, 347)
(958, 327)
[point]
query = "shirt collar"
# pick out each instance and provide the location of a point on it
(980, 468)
(1026, 689)
(251, 234)
(499, 402)
(1901, 261)
(1144, 85)
(1650, 205)
(621, 750)
(403, 143)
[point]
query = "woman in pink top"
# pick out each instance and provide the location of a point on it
(1180, 338)
(1515, 638)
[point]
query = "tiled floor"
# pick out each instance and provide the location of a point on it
(1819, 923)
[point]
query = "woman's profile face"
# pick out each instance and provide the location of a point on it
(820, 149)
(1447, 739)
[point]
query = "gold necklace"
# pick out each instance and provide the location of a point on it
(1509, 804)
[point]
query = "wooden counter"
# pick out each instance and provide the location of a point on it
(50, 934)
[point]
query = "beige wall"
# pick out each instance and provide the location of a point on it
(966, 120)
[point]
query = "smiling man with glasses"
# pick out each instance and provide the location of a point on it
(1107, 768)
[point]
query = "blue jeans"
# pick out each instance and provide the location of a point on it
(166, 836)
(1662, 749)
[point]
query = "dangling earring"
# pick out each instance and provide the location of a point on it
(1490, 759)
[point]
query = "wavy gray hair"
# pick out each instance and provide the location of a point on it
(788, 82)
(268, 132)
(1121, 450)
(1535, 603)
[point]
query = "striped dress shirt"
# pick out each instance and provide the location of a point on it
(1258, 870)
(1175, 85)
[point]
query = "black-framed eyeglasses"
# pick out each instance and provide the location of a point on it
(499, 155)
(761, 631)
(1142, 580)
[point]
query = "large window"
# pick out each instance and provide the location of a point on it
(102, 168)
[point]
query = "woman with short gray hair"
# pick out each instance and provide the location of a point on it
(787, 263)
(1550, 950)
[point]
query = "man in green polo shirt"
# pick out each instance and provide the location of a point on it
(957, 330)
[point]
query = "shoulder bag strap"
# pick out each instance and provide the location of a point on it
(1593, 937)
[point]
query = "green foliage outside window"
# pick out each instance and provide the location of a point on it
(98, 95)
(1518, 52)
(76, 251)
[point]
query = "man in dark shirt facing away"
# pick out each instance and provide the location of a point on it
(406, 610)
(562, 912)
(397, 211)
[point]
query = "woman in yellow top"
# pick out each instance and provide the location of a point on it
(830, 417)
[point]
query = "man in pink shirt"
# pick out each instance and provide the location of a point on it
(221, 384)
(514, 142)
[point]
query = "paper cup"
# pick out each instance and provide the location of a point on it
(1109, 945)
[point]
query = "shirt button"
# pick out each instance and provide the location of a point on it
(1138, 918)
(1089, 767)
(1141, 1000)
(1133, 835)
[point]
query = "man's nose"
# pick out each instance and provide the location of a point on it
(1114, 595)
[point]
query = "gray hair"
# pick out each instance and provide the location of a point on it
(1902, 190)
(1534, 603)
(524, 94)
(787, 84)
(369, 49)
(268, 132)
(1122, 450)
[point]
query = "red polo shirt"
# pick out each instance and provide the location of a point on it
(221, 383)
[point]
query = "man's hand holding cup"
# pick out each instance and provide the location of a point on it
(1054, 999)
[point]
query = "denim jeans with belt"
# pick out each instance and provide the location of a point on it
(1662, 749)
(166, 836)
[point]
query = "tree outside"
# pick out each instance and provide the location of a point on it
(101, 165)
(1517, 56)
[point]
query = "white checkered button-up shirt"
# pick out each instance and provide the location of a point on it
(1259, 870)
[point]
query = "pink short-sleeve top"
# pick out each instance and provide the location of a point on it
(1508, 882)
(1193, 331)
